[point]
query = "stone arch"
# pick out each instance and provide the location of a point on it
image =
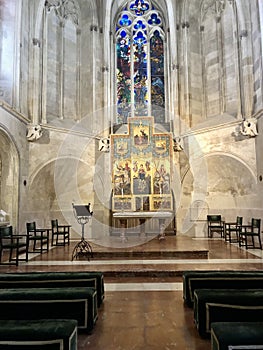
(216, 181)
(10, 174)
(59, 182)
(225, 173)
(230, 174)
(39, 17)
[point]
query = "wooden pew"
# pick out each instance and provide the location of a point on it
(232, 305)
(55, 279)
(56, 334)
(50, 303)
(219, 280)
(236, 335)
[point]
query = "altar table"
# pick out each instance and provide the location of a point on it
(124, 216)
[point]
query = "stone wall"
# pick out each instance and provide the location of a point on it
(59, 71)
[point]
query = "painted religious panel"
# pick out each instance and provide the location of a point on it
(161, 178)
(142, 177)
(121, 167)
(162, 203)
(141, 168)
(141, 133)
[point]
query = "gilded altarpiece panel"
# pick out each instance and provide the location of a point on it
(141, 168)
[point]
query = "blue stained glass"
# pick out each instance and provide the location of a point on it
(140, 63)
(154, 19)
(139, 25)
(123, 34)
(125, 20)
(140, 38)
(139, 7)
(157, 75)
(140, 73)
(123, 77)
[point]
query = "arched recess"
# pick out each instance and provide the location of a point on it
(9, 177)
(230, 175)
(225, 174)
(58, 184)
(218, 181)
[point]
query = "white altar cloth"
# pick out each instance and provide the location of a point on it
(143, 214)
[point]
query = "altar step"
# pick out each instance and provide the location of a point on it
(143, 264)
(135, 257)
(153, 254)
(138, 258)
(172, 247)
(144, 271)
(148, 261)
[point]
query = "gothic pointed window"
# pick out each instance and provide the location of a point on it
(140, 62)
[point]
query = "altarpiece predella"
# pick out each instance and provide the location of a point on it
(141, 168)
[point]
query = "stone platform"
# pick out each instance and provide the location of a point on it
(167, 258)
(172, 247)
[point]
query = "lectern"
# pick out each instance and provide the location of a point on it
(83, 215)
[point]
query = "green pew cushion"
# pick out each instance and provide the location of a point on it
(55, 279)
(219, 280)
(220, 305)
(59, 334)
(33, 303)
(236, 335)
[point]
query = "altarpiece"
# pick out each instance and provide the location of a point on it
(141, 168)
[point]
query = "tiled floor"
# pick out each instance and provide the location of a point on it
(143, 307)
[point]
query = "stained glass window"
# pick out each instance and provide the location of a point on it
(140, 62)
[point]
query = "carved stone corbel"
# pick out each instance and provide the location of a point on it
(249, 127)
(34, 132)
(104, 144)
(177, 144)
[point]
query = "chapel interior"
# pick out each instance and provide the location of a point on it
(149, 114)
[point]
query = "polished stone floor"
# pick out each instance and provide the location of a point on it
(143, 307)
